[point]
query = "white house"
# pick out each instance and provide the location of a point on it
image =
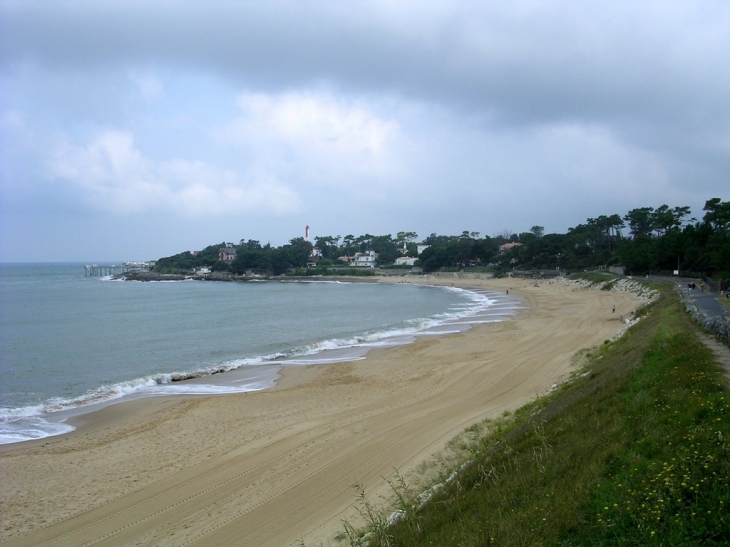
(366, 259)
(203, 272)
(422, 247)
(406, 261)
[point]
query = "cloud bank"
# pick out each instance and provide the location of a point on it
(185, 123)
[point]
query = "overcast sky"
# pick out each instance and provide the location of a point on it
(134, 130)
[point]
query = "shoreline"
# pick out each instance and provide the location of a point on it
(227, 379)
(275, 466)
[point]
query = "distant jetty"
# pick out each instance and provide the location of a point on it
(95, 270)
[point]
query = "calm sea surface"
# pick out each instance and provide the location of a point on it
(67, 340)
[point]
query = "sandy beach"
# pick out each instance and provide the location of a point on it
(276, 468)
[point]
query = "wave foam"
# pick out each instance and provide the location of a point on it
(21, 429)
(25, 423)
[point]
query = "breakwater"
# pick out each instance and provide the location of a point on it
(96, 270)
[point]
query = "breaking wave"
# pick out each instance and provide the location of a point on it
(35, 421)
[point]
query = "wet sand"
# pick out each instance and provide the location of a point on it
(277, 467)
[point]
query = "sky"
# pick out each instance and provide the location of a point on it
(133, 130)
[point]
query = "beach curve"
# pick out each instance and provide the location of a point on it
(277, 467)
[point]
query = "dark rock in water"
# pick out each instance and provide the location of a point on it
(149, 276)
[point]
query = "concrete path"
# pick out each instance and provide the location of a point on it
(707, 303)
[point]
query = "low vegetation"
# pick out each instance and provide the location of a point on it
(634, 450)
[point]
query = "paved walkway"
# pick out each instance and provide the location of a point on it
(708, 311)
(707, 303)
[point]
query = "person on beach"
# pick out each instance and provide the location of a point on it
(613, 310)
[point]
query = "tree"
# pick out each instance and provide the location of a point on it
(665, 219)
(717, 213)
(537, 252)
(637, 255)
(349, 247)
(464, 251)
(298, 252)
(251, 245)
(328, 246)
(537, 231)
(716, 223)
(387, 257)
(382, 244)
(640, 221)
(258, 259)
(505, 235)
(434, 257)
(404, 238)
(363, 242)
(280, 260)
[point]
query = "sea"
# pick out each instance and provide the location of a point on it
(70, 344)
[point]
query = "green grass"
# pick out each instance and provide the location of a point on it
(634, 451)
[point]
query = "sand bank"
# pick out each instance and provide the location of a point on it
(277, 467)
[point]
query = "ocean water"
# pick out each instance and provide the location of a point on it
(69, 342)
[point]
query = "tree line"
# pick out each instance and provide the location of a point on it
(643, 240)
(297, 254)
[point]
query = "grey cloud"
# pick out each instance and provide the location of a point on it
(484, 93)
(449, 46)
(523, 63)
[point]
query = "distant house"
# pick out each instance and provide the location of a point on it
(365, 259)
(421, 247)
(508, 247)
(227, 254)
(406, 261)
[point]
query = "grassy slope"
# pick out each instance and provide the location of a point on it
(636, 451)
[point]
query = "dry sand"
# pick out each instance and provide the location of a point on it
(277, 467)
